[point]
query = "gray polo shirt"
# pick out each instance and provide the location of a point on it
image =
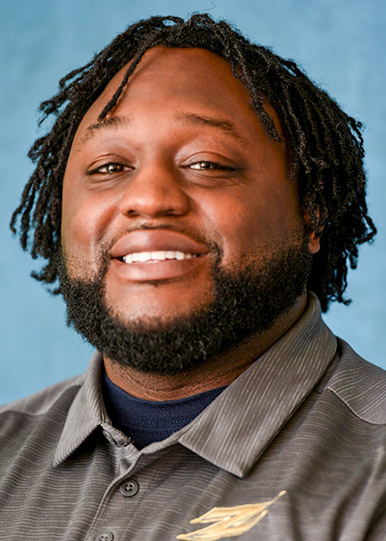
(294, 449)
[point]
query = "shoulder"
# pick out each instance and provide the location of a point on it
(32, 426)
(42, 401)
(360, 385)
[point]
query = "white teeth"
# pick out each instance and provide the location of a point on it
(143, 257)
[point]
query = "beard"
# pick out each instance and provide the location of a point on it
(246, 302)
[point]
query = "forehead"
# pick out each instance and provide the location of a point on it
(168, 75)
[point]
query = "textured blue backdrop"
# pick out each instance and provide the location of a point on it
(340, 44)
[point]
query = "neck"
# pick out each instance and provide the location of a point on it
(217, 372)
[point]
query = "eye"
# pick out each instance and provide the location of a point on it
(108, 169)
(205, 166)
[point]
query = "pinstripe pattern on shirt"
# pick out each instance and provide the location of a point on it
(306, 420)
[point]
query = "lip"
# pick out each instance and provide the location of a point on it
(153, 240)
(156, 271)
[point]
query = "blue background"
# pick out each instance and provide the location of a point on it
(341, 44)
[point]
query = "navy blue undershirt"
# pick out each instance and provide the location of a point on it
(145, 421)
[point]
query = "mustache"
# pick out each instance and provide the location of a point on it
(212, 246)
(105, 257)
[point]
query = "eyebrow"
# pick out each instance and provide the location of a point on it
(224, 125)
(109, 122)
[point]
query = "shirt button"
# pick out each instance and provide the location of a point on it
(129, 488)
(104, 536)
(108, 437)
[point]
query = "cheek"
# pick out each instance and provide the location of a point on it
(248, 225)
(84, 222)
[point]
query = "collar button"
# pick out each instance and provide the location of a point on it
(104, 536)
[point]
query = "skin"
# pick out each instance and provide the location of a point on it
(163, 179)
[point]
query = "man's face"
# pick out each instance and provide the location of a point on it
(179, 176)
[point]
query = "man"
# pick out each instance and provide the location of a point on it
(193, 191)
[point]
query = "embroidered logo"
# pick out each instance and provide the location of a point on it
(229, 521)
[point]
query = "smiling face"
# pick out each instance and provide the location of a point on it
(179, 176)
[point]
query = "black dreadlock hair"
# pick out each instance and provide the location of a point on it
(324, 144)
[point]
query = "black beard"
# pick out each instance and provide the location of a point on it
(245, 304)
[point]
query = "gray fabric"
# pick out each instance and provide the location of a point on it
(294, 449)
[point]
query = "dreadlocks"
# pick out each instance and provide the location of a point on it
(324, 144)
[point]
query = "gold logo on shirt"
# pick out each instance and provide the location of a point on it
(229, 521)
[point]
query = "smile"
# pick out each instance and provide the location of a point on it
(154, 257)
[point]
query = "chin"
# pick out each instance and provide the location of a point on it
(153, 318)
(157, 306)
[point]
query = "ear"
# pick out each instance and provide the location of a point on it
(313, 243)
(313, 239)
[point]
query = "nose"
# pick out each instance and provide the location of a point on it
(154, 191)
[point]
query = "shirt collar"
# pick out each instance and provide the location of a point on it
(233, 431)
(86, 413)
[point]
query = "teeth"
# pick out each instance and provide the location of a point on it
(143, 257)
